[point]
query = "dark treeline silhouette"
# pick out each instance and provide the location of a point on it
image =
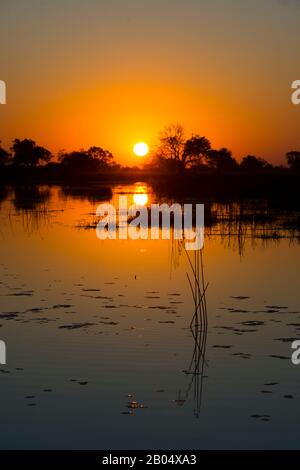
(27, 156)
(178, 164)
(93, 159)
(200, 170)
(175, 153)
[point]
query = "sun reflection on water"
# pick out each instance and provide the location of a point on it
(140, 199)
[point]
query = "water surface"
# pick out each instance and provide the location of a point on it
(100, 353)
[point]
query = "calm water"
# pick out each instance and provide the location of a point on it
(92, 325)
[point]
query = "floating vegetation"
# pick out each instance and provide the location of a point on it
(75, 326)
(36, 309)
(62, 306)
(238, 310)
(8, 315)
(243, 355)
(239, 297)
(277, 307)
(275, 356)
(261, 417)
(22, 294)
(91, 290)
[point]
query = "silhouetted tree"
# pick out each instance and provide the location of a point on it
(27, 153)
(176, 153)
(4, 156)
(77, 161)
(103, 157)
(293, 159)
(93, 159)
(252, 163)
(222, 160)
(196, 151)
(170, 151)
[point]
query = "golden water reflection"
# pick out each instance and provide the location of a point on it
(140, 199)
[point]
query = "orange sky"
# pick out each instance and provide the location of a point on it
(82, 73)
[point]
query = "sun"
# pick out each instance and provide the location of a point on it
(141, 149)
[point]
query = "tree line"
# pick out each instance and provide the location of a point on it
(26, 153)
(176, 153)
(173, 153)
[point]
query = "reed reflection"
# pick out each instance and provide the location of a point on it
(32, 203)
(198, 328)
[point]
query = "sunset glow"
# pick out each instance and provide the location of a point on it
(150, 228)
(103, 100)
